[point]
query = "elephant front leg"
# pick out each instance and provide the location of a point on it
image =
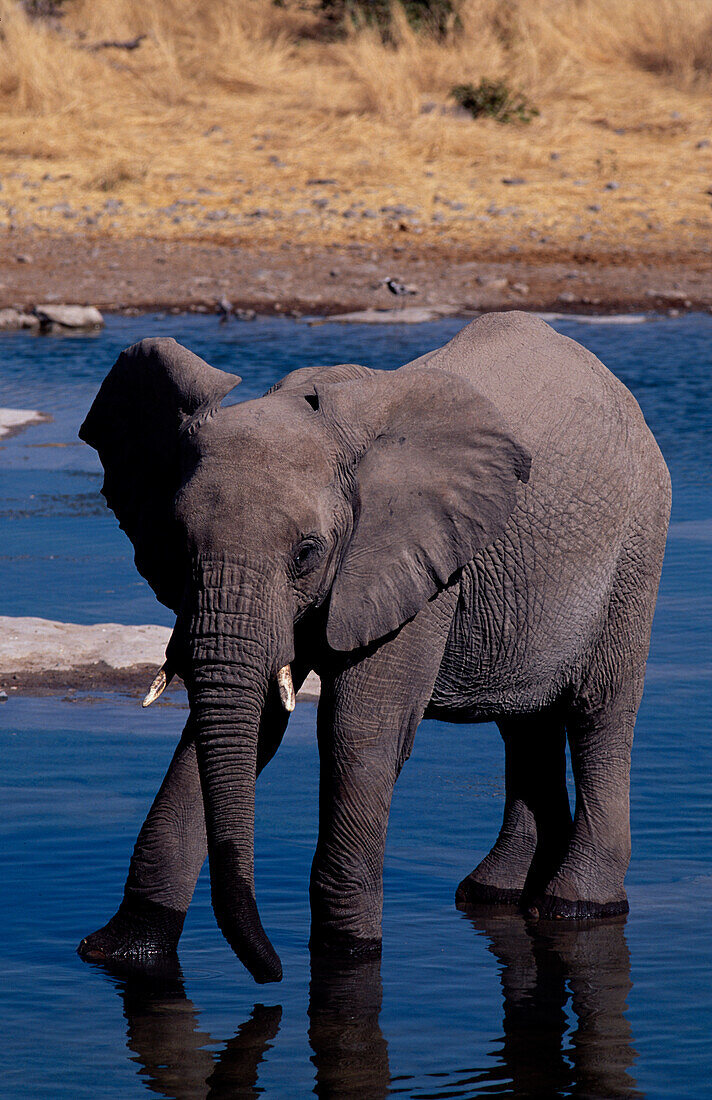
(166, 861)
(361, 755)
(536, 827)
(346, 887)
(368, 714)
(170, 851)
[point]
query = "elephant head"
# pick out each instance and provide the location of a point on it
(357, 491)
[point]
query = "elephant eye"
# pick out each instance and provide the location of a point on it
(306, 556)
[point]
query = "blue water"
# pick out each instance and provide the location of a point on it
(458, 1007)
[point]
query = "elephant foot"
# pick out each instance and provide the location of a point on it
(551, 907)
(140, 932)
(472, 893)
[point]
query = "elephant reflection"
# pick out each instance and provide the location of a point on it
(350, 1052)
(172, 1051)
(542, 965)
(539, 1055)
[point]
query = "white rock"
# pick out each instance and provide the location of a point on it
(595, 318)
(670, 296)
(40, 645)
(69, 316)
(12, 319)
(34, 645)
(411, 315)
(13, 420)
(310, 689)
(492, 282)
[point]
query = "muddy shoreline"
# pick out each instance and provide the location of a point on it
(101, 677)
(297, 280)
(97, 677)
(46, 657)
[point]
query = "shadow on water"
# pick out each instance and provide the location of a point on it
(163, 1035)
(543, 966)
(350, 1051)
(164, 1038)
(542, 1052)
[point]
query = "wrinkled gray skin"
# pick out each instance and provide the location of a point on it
(476, 536)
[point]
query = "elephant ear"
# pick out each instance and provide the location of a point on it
(155, 392)
(436, 473)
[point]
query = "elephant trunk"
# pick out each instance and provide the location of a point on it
(234, 651)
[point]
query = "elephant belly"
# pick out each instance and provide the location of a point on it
(512, 648)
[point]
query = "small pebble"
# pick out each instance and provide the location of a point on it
(492, 282)
(398, 210)
(611, 186)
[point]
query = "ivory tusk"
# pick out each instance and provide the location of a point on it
(286, 688)
(159, 685)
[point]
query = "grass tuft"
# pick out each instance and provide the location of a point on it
(494, 99)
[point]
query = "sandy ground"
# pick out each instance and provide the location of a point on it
(40, 657)
(126, 275)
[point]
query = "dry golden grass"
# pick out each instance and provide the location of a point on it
(234, 105)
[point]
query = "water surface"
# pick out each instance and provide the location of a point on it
(459, 1006)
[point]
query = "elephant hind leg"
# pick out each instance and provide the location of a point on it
(600, 722)
(537, 819)
(589, 883)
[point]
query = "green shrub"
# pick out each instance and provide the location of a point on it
(433, 16)
(494, 99)
(42, 9)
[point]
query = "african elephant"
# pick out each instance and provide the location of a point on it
(477, 535)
